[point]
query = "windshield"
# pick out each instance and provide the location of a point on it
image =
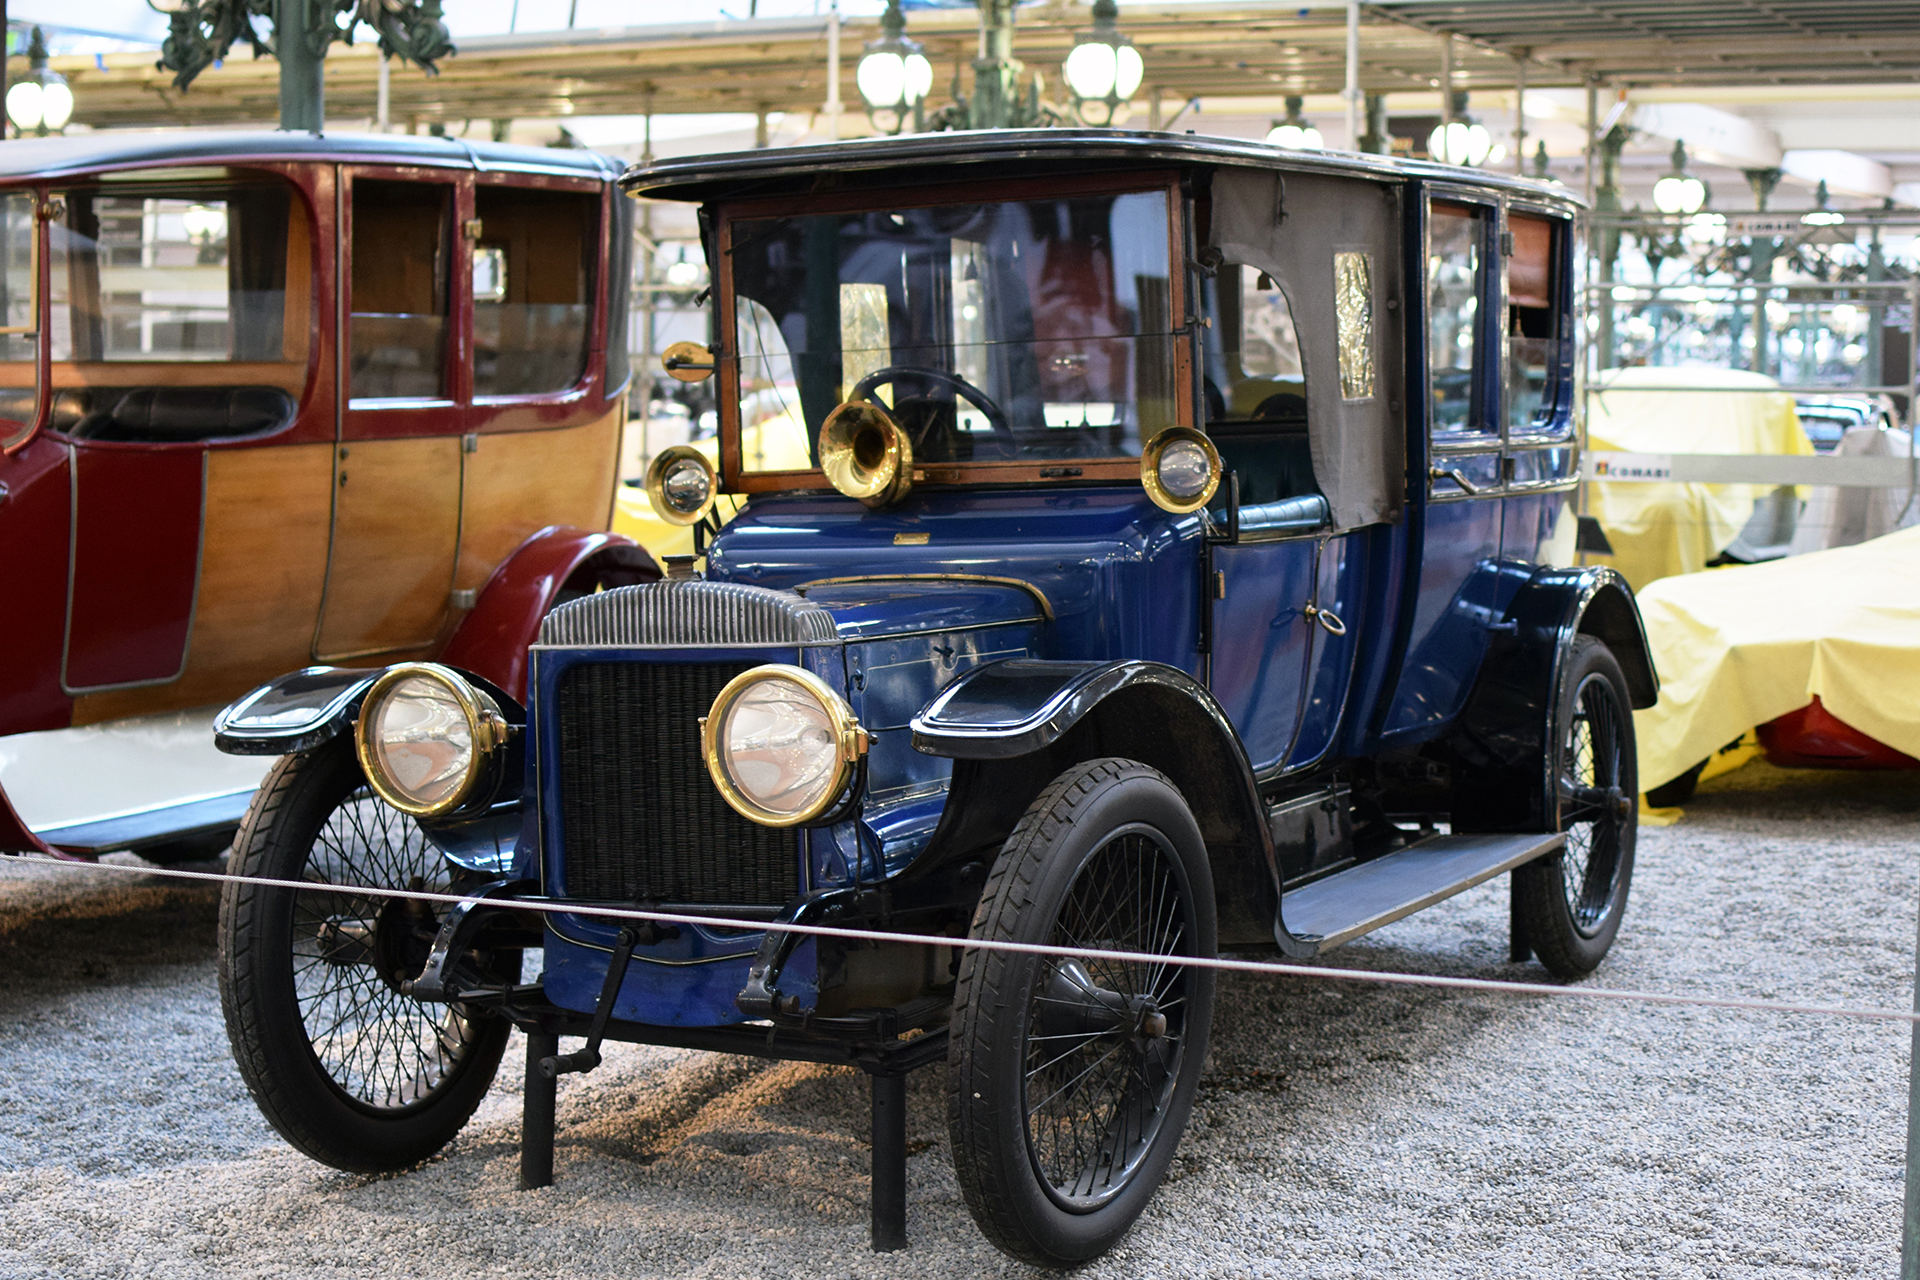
(1018, 331)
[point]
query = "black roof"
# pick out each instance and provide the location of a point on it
(84, 152)
(1022, 152)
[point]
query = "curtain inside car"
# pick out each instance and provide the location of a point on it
(1333, 245)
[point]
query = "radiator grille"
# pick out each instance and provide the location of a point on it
(640, 817)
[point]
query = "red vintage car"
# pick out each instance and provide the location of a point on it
(270, 400)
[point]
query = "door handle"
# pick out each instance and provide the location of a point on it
(1454, 474)
(1326, 618)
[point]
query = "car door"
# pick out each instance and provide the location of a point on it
(181, 343)
(544, 427)
(396, 474)
(1299, 359)
(1459, 538)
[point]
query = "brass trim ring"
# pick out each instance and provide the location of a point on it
(849, 737)
(485, 726)
(1150, 470)
(657, 482)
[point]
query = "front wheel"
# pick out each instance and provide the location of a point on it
(1069, 1079)
(1570, 904)
(349, 1069)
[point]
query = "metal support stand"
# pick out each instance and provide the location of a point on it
(889, 1163)
(1519, 946)
(536, 1116)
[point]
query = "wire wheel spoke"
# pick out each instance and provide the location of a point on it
(1593, 771)
(384, 1050)
(1104, 1035)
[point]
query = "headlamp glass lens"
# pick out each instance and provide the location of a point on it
(1184, 469)
(686, 486)
(421, 741)
(779, 747)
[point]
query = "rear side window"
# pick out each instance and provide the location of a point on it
(402, 245)
(1533, 322)
(533, 271)
(1456, 284)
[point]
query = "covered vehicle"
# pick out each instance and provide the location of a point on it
(270, 400)
(1828, 677)
(1659, 528)
(1154, 566)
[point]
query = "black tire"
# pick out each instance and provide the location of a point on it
(1677, 791)
(1569, 905)
(348, 1069)
(1054, 1170)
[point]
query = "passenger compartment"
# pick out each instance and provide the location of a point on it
(170, 415)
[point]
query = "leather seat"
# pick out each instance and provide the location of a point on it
(170, 415)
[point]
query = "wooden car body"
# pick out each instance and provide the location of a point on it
(269, 400)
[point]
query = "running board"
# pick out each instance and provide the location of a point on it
(1341, 907)
(205, 821)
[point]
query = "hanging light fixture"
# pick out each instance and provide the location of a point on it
(1679, 191)
(1542, 170)
(1294, 131)
(1464, 140)
(40, 101)
(1104, 70)
(1820, 215)
(894, 74)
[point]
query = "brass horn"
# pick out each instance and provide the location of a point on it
(865, 454)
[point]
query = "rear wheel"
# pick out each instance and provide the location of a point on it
(349, 1070)
(1070, 1079)
(1570, 904)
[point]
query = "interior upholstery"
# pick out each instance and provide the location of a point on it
(167, 415)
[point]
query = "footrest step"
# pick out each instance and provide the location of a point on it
(1361, 899)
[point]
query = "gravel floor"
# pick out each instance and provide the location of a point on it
(1342, 1130)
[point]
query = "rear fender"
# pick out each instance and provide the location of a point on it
(1011, 727)
(543, 571)
(1500, 743)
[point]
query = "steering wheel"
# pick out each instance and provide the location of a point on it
(996, 416)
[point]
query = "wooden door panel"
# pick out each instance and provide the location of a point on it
(136, 559)
(519, 482)
(396, 522)
(262, 570)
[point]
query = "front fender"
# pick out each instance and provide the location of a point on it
(492, 640)
(309, 708)
(1013, 726)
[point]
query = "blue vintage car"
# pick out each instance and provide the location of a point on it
(1151, 544)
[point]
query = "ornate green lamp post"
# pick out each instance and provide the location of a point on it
(201, 32)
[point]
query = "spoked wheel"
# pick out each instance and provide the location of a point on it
(1069, 1079)
(1570, 904)
(349, 1069)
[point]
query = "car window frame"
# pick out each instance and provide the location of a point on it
(1052, 471)
(593, 367)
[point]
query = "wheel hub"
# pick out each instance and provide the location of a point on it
(403, 934)
(1073, 1004)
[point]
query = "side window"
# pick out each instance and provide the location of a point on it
(533, 268)
(19, 370)
(158, 289)
(1456, 283)
(402, 244)
(1533, 313)
(1255, 385)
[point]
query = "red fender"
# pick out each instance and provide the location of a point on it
(492, 640)
(15, 838)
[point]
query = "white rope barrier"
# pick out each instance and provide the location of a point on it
(1281, 970)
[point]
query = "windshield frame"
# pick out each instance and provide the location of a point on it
(735, 479)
